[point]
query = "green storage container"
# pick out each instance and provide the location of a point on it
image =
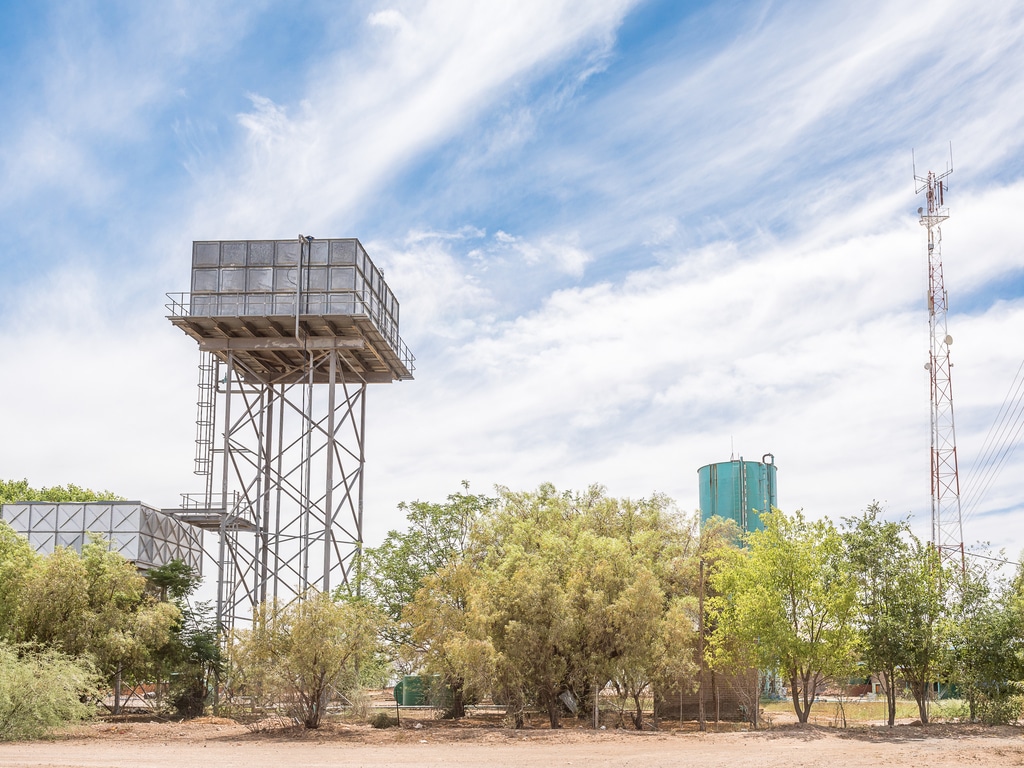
(421, 691)
(738, 490)
(411, 691)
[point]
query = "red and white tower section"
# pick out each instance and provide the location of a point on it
(947, 527)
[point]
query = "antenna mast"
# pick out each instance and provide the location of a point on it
(947, 526)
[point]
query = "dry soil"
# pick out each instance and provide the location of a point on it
(219, 743)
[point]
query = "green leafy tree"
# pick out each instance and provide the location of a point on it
(562, 592)
(192, 655)
(925, 588)
(16, 561)
(12, 491)
(173, 581)
(16, 555)
(718, 541)
(983, 644)
(196, 659)
(430, 550)
(901, 605)
(437, 535)
(880, 556)
(306, 651)
(95, 605)
(787, 600)
(441, 635)
(653, 640)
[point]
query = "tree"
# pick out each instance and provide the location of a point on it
(983, 643)
(880, 556)
(787, 600)
(529, 624)
(16, 555)
(94, 604)
(196, 658)
(428, 557)
(12, 491)
(901, 587)
(924, 594)
(174, 580)
(439, 632)
(562, 592)
(193, 649)
(438, 534)
(16, 561)
(718, 542)
(653, 641)
(307, 650)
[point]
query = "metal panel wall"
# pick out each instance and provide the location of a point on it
(139, 532)
(239, 278)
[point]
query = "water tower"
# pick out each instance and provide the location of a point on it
(738, 490)
(290, 334)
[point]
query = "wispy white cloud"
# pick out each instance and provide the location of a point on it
(430, 68)
(612, 278)
(101, 73)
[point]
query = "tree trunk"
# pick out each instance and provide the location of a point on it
(890, 696)
(554, 712)
(756, 698)
(718, 698)
(795, 693)
(889, 686)
(920, 690)
(457, 709)
(638, 715)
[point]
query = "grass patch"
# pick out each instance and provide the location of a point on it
(856, 711)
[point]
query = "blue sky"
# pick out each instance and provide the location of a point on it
(629, 238)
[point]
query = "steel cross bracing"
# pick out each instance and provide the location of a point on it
(291, 334)
(947, 527)
(293, 453)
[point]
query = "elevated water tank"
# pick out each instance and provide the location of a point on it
(738, 490)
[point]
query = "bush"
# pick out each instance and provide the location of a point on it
(305, 653)
(383, 720)
(1000, 710)
(40, 690)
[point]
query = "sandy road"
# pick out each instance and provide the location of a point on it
(230, 746)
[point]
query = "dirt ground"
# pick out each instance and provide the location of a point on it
(224, 743)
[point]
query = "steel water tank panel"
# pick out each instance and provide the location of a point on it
(738, 490)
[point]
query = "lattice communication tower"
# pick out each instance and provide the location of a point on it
(947, 526)
(290, 334)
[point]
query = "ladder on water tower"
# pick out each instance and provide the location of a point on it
(205, 415)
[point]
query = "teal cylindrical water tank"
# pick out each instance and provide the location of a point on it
(738, 490)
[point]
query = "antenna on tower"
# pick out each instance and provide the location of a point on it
(947, 525)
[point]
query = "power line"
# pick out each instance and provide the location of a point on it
(1002, 439)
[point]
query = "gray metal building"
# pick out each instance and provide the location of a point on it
(142, 534)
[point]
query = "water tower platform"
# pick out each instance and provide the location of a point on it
(268, 347)
(273, 303)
